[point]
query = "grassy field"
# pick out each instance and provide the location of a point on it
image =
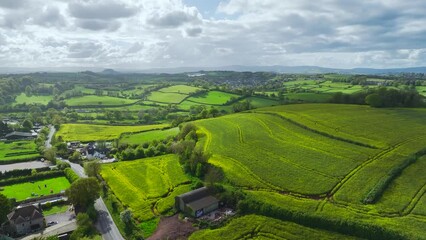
(167, 97)
(22, 191)
(142, 184)
(55, 210)
(92, 100)
(259, 227)
(22, 98)
(325, 158)
(149, 136)
(258, 102)
(421, 90)
(90, 132)
(213, 98)
(18, 150)
(183, 89)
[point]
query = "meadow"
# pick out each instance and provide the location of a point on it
(91, 132)
(17, 150)
(213, 98)
(149, 136)
(94, 100)
(167, 97)
(22, 191)
(260, 227)
(147, 186)
(183, 89)
(42, 99)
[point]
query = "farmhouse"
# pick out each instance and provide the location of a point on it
(197, 202)
(24, 220)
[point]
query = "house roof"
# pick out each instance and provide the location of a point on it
(194, 195)
(20, 215)
(19, 134)
(202, 203)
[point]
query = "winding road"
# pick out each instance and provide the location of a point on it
(104, 224)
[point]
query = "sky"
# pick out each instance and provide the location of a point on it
(144, 34)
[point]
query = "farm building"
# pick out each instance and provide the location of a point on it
(197, 202)
(20, 136)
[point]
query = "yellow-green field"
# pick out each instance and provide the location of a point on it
(17, 150)
(22, 98)
(91, 132)
(149, 136)
(147, 186)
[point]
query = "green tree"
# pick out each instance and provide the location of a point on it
(50, 155)
(85, 227)
(75, 157)
(92, 168)
(5, 207)
(28, 91)
(83, 192)
(27, 124)
(374, 100)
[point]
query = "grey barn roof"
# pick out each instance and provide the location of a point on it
(202, 202)
(195, 195)
(21, 214)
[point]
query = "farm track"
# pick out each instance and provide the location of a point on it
(416, 199)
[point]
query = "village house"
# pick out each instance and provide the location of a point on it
(197, 202)
(24, 220)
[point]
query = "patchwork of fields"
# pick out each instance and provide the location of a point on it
(93, 100)
(149, 136)
(173, 94)
(147, 186)
(91, 132)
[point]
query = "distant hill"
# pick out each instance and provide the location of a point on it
(237, 68)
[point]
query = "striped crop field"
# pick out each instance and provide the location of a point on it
(147, 186)
(92, 132)
(326, 160)
(260, 227)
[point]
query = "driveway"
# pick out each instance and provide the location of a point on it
(24, 165)
(61, 217)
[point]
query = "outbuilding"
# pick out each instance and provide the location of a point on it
(197, 202)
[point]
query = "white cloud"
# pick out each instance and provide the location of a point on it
(169, 33)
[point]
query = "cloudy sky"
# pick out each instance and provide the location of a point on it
(140, 34)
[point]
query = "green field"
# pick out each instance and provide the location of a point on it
(55, 210)
(213, 98)
(22, 98)
(183, 89)
(22, 191)
(18, 150)
(259, 227)
(167, 97)
(92, 100)
(421, 90)
(91, 132)
(325, 158)
(149, 136)
(258, 102)
(143, 184)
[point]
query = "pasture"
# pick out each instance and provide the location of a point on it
(42, 99)
(167, 97)
(149, 136)
(91, 132)
(182, 89)
(260, 227)
(22, 191)
(94, 100)
(147, 186)
(213, 98)
(18, 150)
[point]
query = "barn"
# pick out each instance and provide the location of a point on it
(197, 202)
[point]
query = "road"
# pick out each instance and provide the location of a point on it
(49, 136)
(104, 224)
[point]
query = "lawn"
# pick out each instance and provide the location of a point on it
(55, 209)
(183, 89)
(260, 227)
(92, 100)
(213, 98)
(22, 98)
(167, 97)
(91, 132)
(149, 136)
(18, 150)
(22, 191)
(143, 184)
